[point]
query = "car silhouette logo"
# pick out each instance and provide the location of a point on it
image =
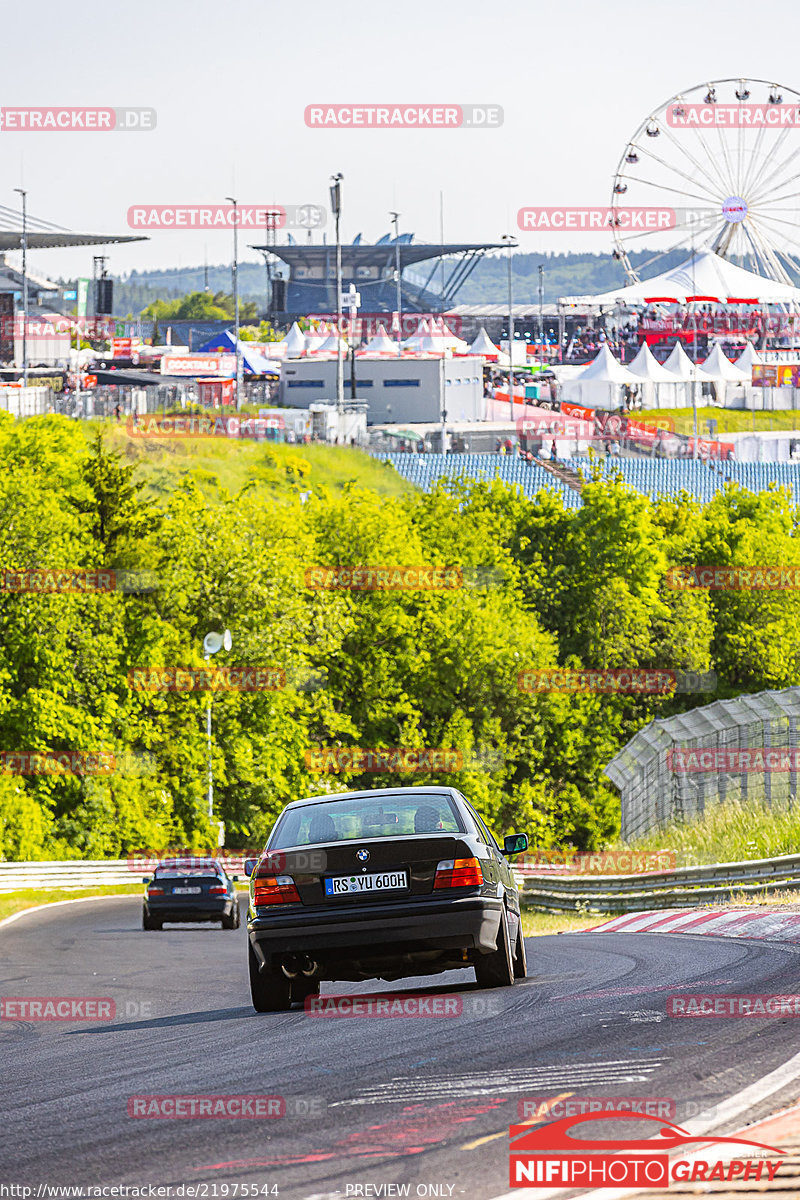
(362, 855)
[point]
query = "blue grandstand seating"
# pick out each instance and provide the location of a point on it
(653, 477)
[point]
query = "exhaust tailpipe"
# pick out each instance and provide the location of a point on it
(298, 964)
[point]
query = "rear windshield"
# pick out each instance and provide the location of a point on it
(181, 872)
(362, 817)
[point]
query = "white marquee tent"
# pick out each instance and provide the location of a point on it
(704, 274)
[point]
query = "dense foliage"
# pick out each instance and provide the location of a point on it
(542, 586)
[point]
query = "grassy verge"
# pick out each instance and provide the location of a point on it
(728, 420)
(281, 468)
(540, 924)
(731, 832)
(11, 902)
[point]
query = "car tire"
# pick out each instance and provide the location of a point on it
(520, 957)
(150, 923)
(269, 991)
(233, 920)
(302, 987)
(497, 969)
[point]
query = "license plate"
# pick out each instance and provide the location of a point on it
(186, 891)
(383, 881)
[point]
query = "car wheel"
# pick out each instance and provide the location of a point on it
(302, 987)
(232, 920)
(497, 969)
(520, 957)
(150, 922)
(270, 992)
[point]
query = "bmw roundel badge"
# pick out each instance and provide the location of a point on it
(362, 855)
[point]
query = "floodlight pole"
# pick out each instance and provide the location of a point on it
(237, 384)
(541, 312)
(24, 195)
(336, 208)
(399, 292)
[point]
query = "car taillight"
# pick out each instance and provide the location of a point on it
(217, 891)
(275, 889)
(155, 891)
(458, 872)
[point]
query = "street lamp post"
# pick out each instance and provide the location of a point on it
(212, 644)
(24, 195)
(399, 291)
(237, 385)
(336, 209)
(510, 243)
(541, 311)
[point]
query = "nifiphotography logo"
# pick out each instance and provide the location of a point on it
(549, 1156)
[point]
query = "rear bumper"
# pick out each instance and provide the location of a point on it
(380, 930)
(208, 910)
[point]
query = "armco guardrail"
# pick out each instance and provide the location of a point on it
(683, 887)
(80, 873)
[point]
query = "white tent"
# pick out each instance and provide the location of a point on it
(380, 344)
(703, 274)
(654, 378)
(484, 346)
(681, 366)
(598, 384)
(648, 368)
(329, 345)
(606, 369)
(718, 367)
(413, 343)
(295, 342)
(747, 359)
(456, 344)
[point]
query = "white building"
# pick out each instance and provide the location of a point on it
(396, 390)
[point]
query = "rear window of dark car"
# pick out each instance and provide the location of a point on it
(362, 817)
(209, 872)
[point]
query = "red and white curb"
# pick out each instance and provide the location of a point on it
(719, 922)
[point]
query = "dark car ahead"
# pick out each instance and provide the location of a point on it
(381, 885)
(190, 889)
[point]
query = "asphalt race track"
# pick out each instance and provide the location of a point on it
(424, 1101)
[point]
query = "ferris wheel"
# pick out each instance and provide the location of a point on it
(725, 157)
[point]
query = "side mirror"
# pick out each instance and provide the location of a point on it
(235, 878)
(515, 843)
(250, 865)
(145, 879)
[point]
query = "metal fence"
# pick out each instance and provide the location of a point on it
(743, 749)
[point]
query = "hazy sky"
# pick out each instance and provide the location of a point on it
(230, 83)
